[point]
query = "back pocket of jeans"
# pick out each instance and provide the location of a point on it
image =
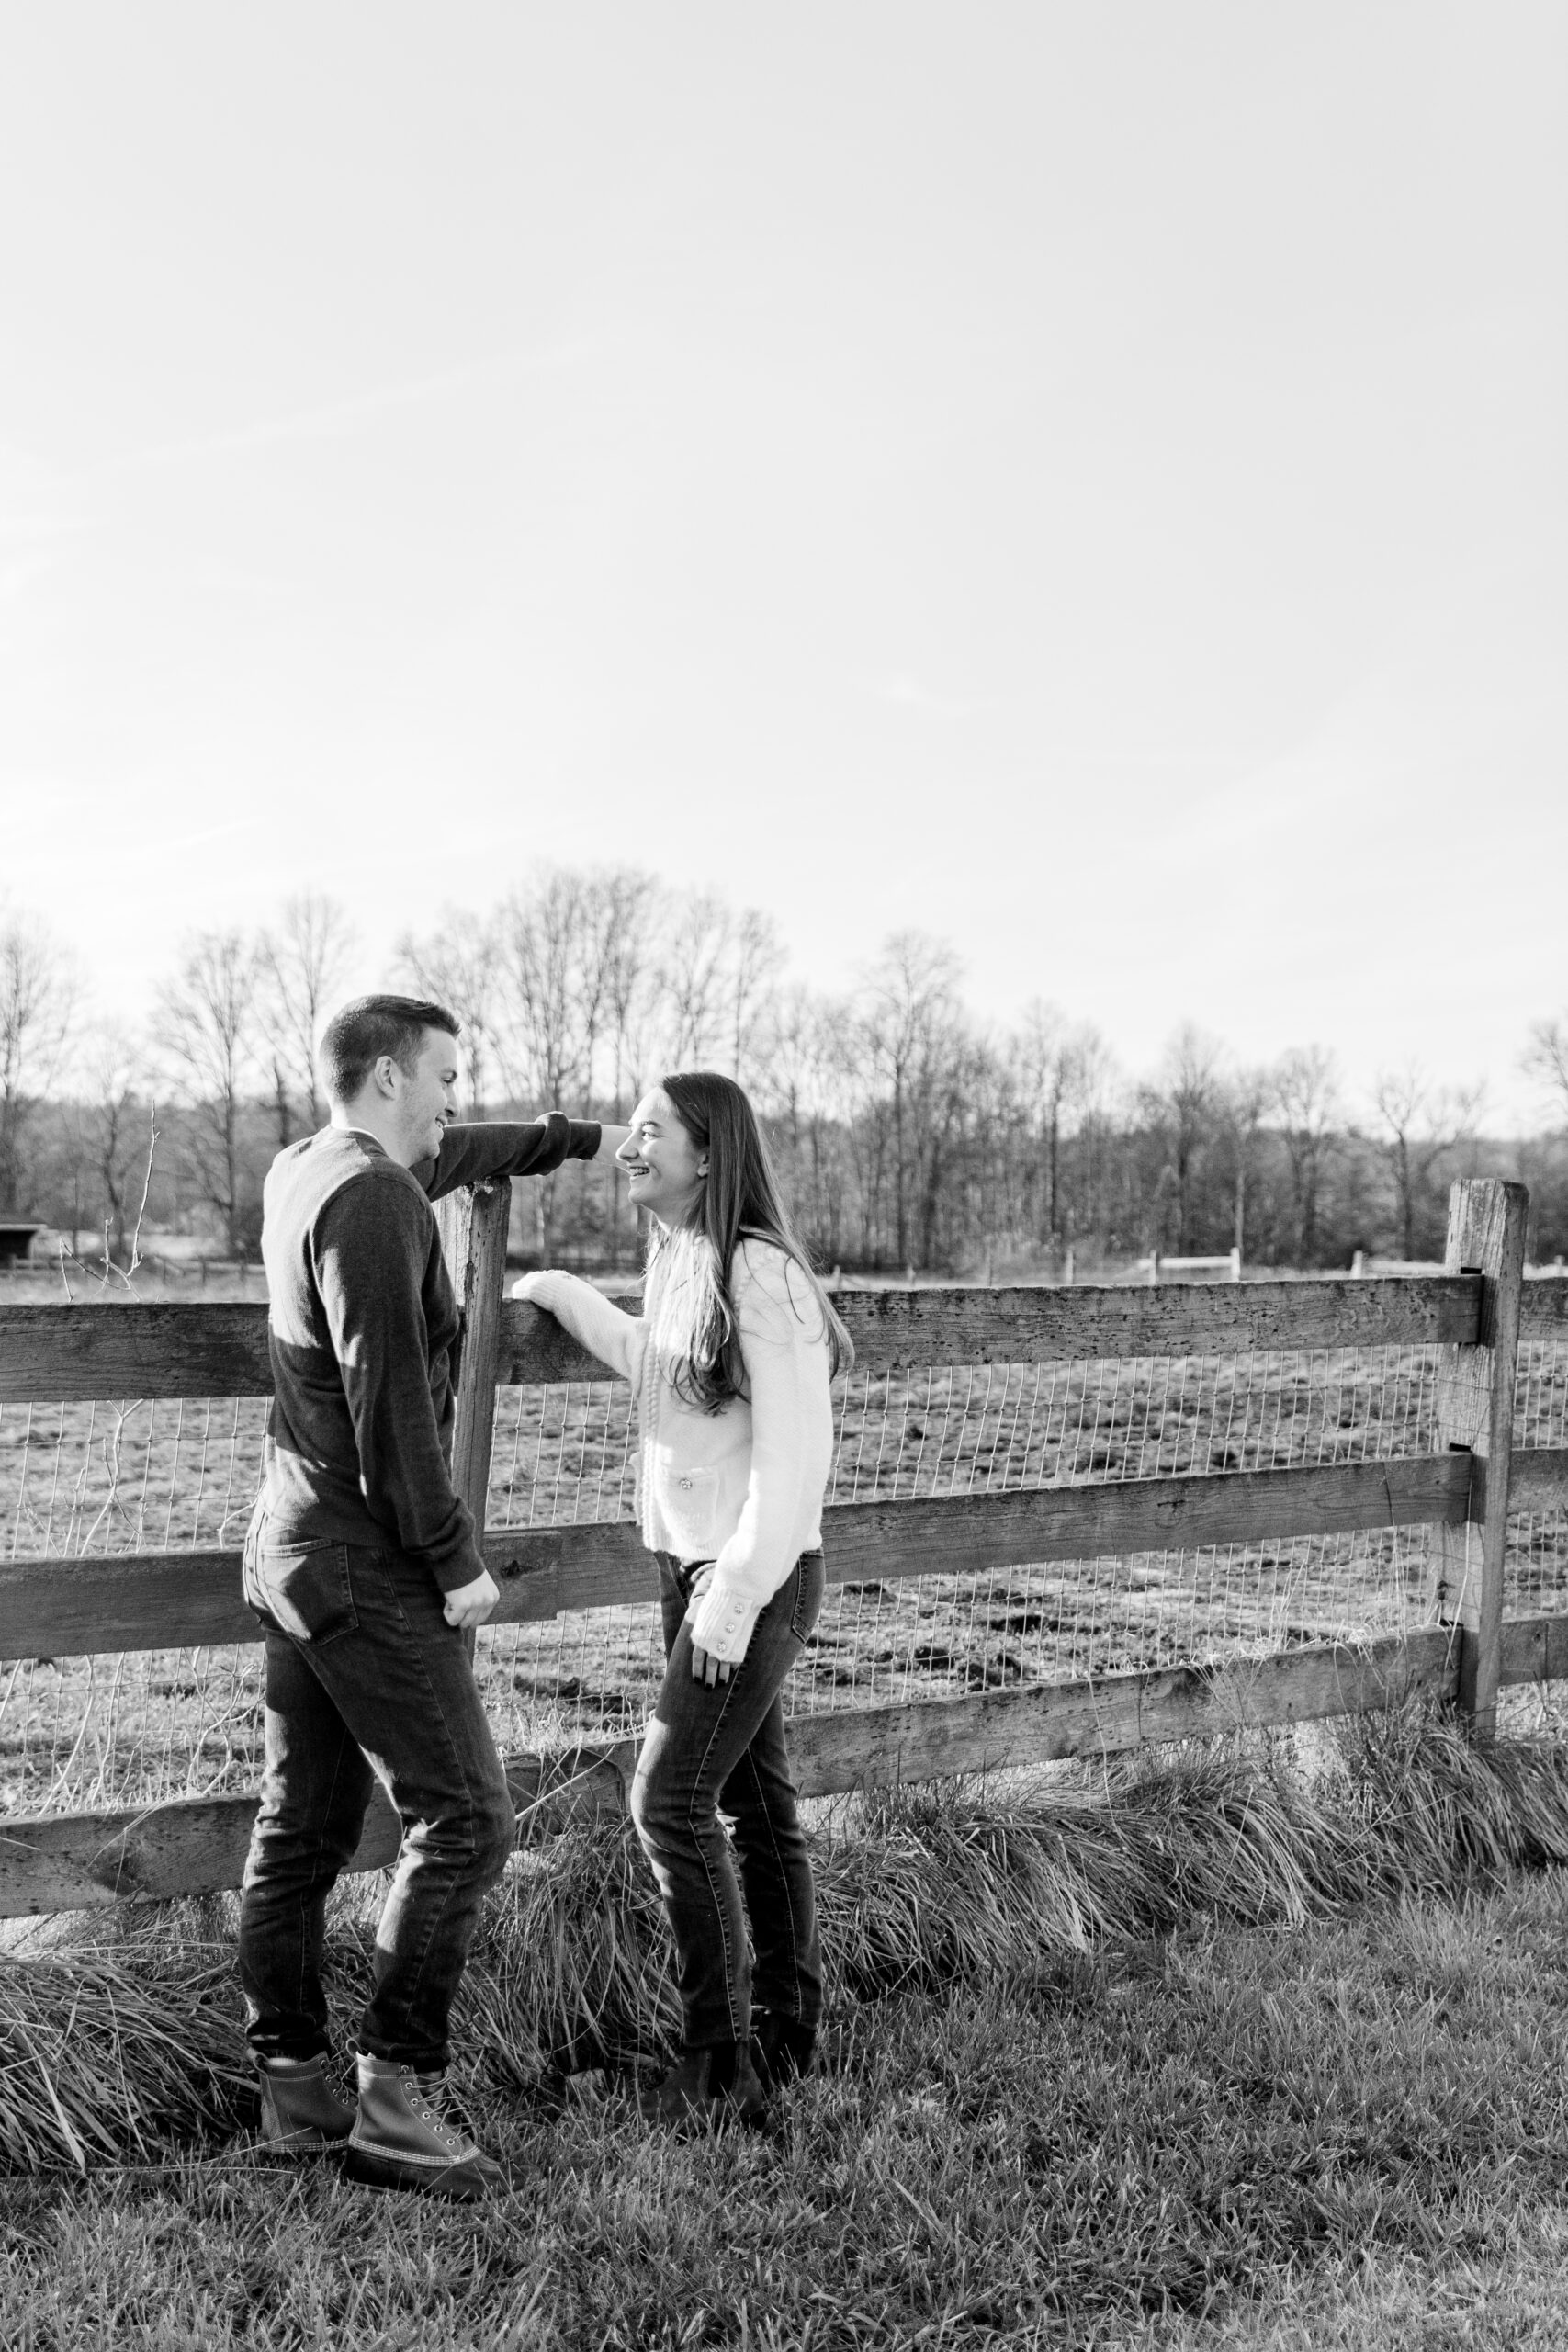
(305, 1588)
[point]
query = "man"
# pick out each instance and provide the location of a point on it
(363, 1567)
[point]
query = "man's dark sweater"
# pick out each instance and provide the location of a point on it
(361, 1330)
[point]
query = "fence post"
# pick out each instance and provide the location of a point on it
(472, 1225)
(1475, 1410)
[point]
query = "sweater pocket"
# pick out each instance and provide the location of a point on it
(687, 1498)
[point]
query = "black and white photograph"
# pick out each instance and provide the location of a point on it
(783, 1176)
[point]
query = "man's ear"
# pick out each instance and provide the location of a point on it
(382, 1073)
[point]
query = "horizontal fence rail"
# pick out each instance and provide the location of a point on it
(77, 1861)
(111, 1350)
(97, 1604)
(1466, 1322)
(145, 1600)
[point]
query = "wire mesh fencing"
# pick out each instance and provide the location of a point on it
(169, 1475)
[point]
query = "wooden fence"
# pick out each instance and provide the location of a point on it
(1475, 1312)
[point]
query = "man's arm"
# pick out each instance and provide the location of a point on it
(370, 1257)
(491, 1147)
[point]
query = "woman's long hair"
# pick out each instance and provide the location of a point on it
(739, 1201)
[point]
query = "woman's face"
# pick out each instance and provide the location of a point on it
(666, 1170)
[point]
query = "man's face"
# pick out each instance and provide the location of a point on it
(428, 1096)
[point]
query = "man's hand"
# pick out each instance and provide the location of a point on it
(470, 1604)
(610, 1140)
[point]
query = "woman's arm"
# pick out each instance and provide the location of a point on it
(615, 1337)
(783, 1348)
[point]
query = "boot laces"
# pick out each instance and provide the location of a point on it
(428, 2094)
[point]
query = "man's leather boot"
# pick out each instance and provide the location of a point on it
(706, 2088)
(405, 2137)
(300, 2112)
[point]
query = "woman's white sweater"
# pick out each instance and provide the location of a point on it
(741, 1487)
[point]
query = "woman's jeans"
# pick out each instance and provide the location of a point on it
(365, 1681)
(723, 1749)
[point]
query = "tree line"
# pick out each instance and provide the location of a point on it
(908, 1134)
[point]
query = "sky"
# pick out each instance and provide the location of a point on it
(1086, 482)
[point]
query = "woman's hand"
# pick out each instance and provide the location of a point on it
(721, 1622)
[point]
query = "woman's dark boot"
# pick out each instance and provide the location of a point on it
(706, 2088)
(784, 2047)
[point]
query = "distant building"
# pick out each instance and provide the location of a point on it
(17, 1239)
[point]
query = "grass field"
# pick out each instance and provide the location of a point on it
(1235, 2051)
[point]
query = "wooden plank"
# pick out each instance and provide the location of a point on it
(1487, 1219)
(131, 1600)
(162, 1601)
(132, 1349)
(135, 1349)
(193, 1846)
(895, 1328)
(1543, 1307)
(543, 1570)
(1539, 1479)
(1535, 1649)
(472, 1225)
(892, 1328)
(996, 1730)
(72, 1861)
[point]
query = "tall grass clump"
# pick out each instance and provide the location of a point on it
(125, 2041)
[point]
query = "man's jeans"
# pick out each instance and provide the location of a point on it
(707, 1751)
(365, 1681)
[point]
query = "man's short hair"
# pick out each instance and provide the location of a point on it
(354, 1039)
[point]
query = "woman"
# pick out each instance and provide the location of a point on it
(730, 1362)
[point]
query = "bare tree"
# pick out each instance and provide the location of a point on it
(301, 966)
(116, 1123)
(1546, 1057)
(1423, 1121)
(552, 984)
(1249, 1100)
(624, 904)
(693, 956)
(1189, 1105)
(755, 960)
(914, 1029)
(38, 996)
(563, 970)
(1305, 1092)
(207, 1023)
(1042, 1059)
(456, 966)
